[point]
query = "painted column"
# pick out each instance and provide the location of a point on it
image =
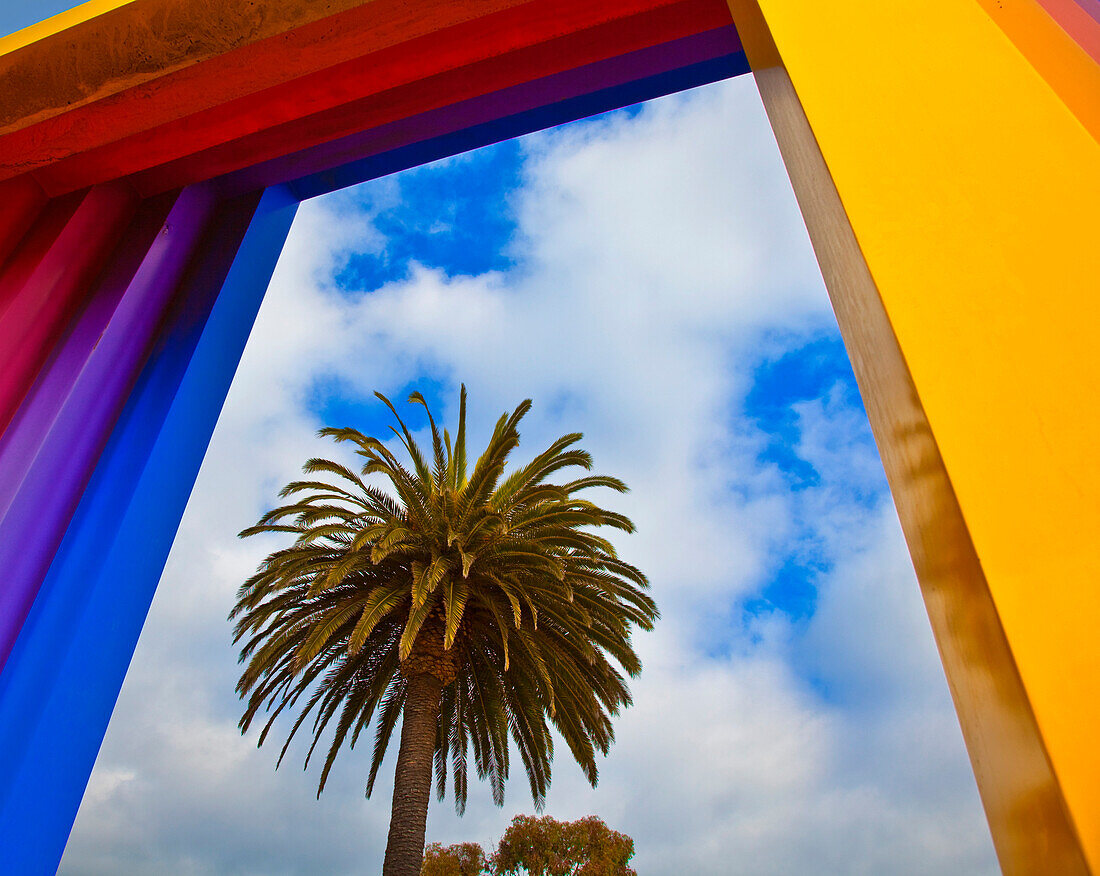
(948, 170)
(48, 451)
(64, 673)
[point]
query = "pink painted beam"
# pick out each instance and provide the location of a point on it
(1092, 7)
(42, 288)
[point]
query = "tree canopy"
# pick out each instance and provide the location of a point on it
(539, 847)
(461, 859)
(544, 847)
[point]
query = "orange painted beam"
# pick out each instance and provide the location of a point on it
(141, 47)
(1080, 19)
(156, 61)
(1065, 50)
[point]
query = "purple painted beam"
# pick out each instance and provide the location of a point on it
(43, 504)
(548, 90)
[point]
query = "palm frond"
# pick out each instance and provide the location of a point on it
(496, 580)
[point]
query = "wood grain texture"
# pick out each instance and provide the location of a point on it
(136, 43)
(154, 61)
(1031, 827)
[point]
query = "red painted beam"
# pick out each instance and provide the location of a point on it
(371, 75)
(22, 199)
(214, 79)
(534, 60)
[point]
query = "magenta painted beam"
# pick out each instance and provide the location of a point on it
(37, 299)
(53, 388)
(35, 244)
(43, 504)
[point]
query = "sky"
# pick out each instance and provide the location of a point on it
(645, 278)
(18, 14)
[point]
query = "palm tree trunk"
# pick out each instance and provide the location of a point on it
(412, 784)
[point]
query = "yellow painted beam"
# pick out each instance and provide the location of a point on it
(57, 23)
(950, 185)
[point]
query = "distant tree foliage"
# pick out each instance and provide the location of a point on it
(545, 847)
(539, 847)
(462, 859)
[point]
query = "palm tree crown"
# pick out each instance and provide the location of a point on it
(479, 605)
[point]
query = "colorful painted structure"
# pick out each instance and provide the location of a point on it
(946, 157)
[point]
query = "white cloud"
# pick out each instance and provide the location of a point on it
(659, 258)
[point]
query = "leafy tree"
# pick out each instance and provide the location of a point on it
(472, 605)
(545, 847)
(463, 859)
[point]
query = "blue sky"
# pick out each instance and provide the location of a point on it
(646, 279)
(457, 217)
(18, 14)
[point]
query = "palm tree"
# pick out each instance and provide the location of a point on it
(475, 606)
